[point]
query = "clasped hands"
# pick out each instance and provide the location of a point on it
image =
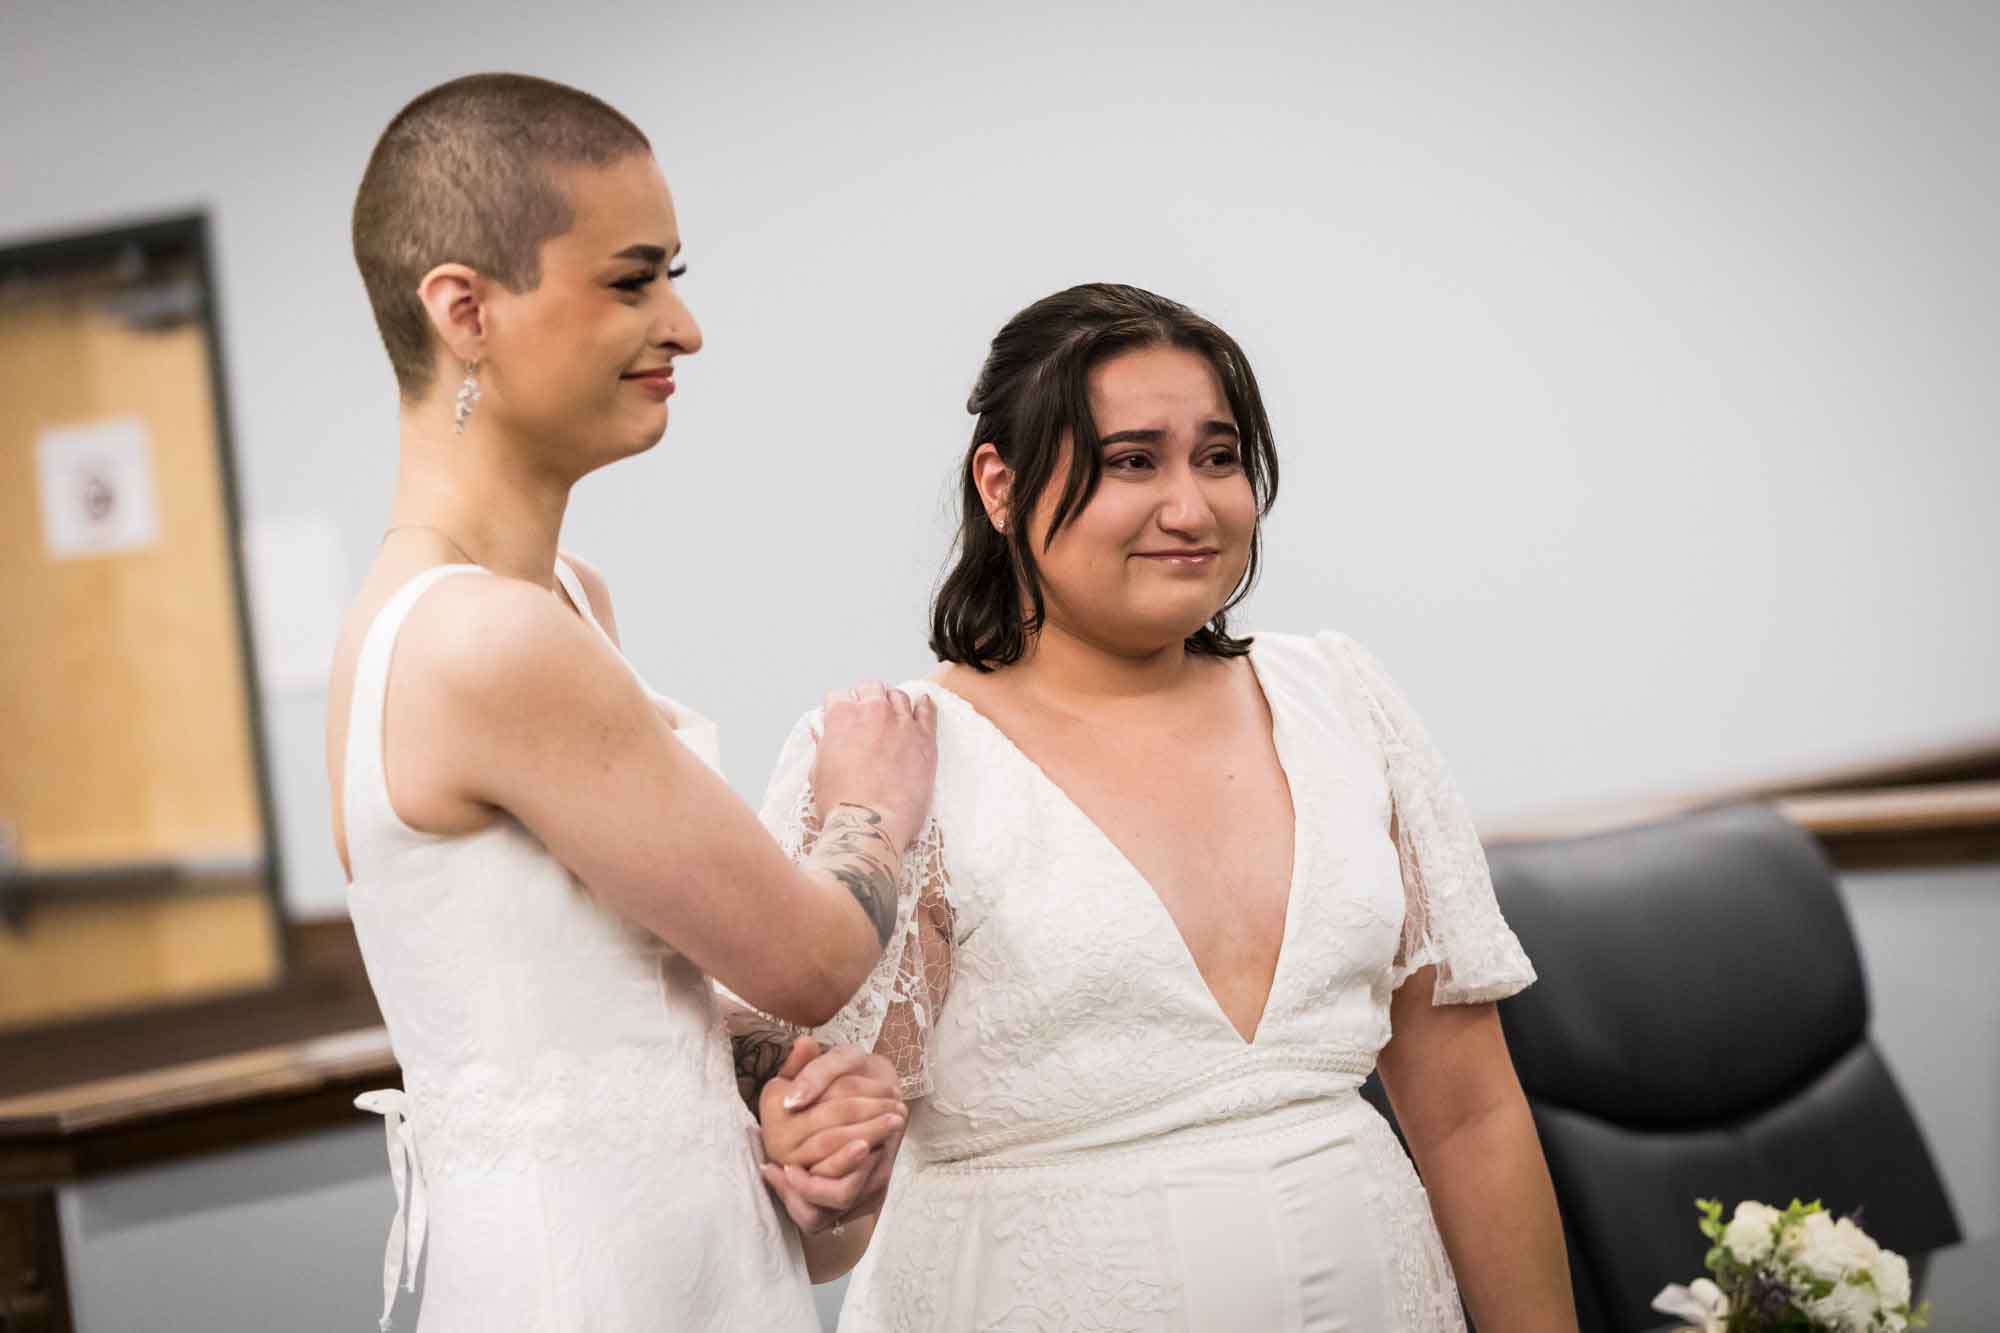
(832, 1122)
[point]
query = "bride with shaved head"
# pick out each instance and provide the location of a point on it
(548, 876)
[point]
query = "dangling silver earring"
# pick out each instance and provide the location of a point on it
(468, 394)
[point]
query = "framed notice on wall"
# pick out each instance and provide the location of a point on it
(134, 776)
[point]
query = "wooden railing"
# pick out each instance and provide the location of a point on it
(1933, 807)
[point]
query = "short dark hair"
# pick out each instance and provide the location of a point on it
(464, 174)
(1033, 390)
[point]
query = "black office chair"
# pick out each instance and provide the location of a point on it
(1700, 1028)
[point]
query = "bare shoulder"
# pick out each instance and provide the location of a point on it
(496, 685)
(596, 589)
(491, 642)
(476, 654)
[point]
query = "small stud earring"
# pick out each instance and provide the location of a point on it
(468, 394)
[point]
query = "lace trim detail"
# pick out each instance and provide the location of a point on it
(1073, 1264)
(895, 1008)
(1451, 919)
(570, 1111)
(1122, 1289)
(1423, 1288)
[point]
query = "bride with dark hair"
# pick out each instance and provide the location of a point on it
(547, 869)
(1181, 890)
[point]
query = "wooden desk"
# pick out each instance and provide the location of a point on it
(146, 1088)
(66, 1133)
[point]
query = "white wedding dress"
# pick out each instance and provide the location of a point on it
(1092, 1146)
(569, 1139)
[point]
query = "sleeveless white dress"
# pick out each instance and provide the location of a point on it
(569, 1139)
(1092, 1145)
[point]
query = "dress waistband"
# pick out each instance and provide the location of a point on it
(1317, 1117)
(1328, 1073)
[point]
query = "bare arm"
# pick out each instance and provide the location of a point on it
(832, 1126)
(832, 1254)
(1460, 1105)
(830, 1163)
(502, 700)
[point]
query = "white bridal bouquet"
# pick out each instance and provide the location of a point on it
(1793, 1271)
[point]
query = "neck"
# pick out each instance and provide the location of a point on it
(490, 502)
(1071, 668)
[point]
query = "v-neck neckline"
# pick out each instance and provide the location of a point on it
(1286, 770)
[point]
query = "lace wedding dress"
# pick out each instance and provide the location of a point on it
(569, 1138)
(1092, 1146)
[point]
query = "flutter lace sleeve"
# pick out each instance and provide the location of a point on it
(893, 1011)
(1451, 918)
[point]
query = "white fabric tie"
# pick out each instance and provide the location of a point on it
(406, 1233)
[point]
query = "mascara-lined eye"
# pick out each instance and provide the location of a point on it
(677, 271)
(637, 282)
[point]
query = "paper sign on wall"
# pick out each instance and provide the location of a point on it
(97, 488)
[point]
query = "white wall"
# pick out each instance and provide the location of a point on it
(1632, 364)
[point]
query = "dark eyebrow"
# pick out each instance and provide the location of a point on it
(651, 254)
(1132, 437)
(1159, 436)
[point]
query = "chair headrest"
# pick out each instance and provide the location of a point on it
(1692, 971)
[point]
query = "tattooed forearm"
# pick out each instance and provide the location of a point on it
(855, 828)
(875, 889)
(761, 1044)
(854, 849)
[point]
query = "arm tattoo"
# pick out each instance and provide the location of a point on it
(761, 1044)
(853, 849)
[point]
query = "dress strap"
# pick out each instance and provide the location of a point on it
(406, 1232)
(573, 585)
(374, 830)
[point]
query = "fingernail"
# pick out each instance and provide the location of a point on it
(791, 1102)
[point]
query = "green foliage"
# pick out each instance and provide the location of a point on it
(1742, 1283)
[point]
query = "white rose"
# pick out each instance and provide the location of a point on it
(1751, 1233)
(1849, 1307)
(1830, 1250)
(1892, 1279)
